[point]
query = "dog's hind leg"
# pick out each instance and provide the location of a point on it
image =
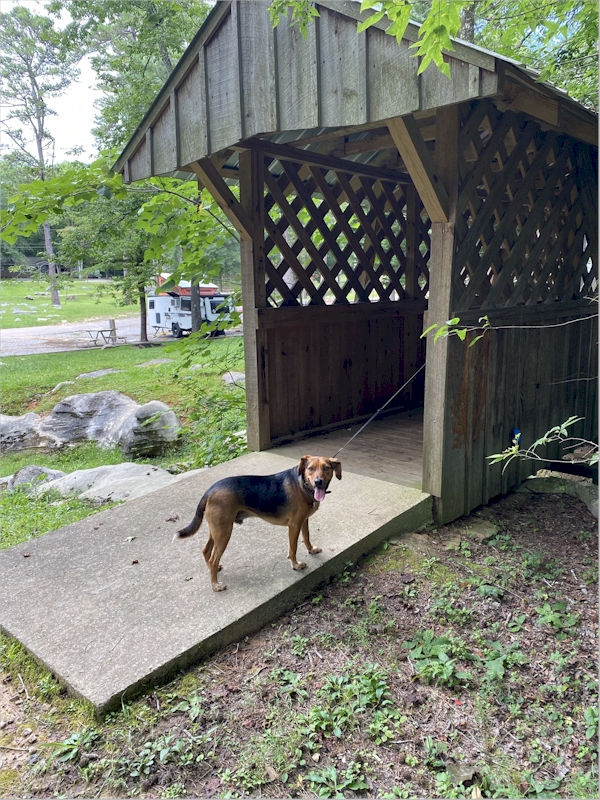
(306, 539)
(214, 549)
(293, 534)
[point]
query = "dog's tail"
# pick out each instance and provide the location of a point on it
(195, 523)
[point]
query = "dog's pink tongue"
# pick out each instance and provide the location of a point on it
(319, 494)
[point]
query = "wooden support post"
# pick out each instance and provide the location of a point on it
(427, 179)
(208, 175)
(443, 474)
(254, 297)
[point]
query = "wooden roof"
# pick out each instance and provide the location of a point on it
(242, 78)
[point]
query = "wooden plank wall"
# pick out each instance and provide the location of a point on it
(529, 378)
(328, 365)
(242, 77)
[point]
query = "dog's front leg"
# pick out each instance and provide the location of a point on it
(293, 534)
(306, 539)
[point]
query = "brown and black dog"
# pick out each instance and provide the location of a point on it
(286, 498)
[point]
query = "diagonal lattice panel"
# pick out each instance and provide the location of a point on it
(332, 237)
(524, 231)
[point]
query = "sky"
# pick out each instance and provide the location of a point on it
(75, 110)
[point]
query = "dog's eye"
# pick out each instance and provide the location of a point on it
(311, 469)
(326, 469)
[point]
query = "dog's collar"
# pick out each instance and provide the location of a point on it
(309, 490)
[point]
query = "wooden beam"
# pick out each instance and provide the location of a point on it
(318, 160)
(577, 127)
(209, 176)
(414, 153)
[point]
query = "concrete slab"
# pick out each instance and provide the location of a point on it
(111, 605)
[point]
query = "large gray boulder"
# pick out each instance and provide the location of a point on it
(22, 433)
(31, 477)
(110, 418)
(113, 482)
(149, 429)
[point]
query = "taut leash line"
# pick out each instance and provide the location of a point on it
(412, 377)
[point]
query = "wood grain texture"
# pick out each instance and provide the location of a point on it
(223, 86)
(421, 168)
(297, 77)
(208, 175)
(257, 64)
(343, 71)
(257, 362)
(389, 97)
(192, 113)
(164, 143)
(341, 369)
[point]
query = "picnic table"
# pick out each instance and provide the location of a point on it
(99, 337)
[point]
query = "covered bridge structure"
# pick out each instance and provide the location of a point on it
(374, 202)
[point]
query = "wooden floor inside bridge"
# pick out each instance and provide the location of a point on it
(389, 449)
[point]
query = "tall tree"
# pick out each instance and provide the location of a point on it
(102, 232)
(36, 64)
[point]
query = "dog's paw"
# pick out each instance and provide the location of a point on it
(299, 565)
(314, 550)
(219, 587)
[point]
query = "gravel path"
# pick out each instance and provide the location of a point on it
(57, 338)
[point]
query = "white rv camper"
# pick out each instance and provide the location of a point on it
(172, 310)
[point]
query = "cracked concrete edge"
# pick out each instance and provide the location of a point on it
(414, 518)
(586, 492)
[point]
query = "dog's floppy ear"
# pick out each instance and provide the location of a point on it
(337, 467)
(302, 464)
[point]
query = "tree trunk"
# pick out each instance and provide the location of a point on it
(196, 310)
(467, 23)
(143, 314)
(52, 271)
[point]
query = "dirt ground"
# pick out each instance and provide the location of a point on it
(457, 663)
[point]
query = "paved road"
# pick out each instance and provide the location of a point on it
(57, 338)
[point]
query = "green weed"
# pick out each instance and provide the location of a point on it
(345, 700)
(537, 567)
(435, 659)
(72, 748)
(446, 608)
(498, 659)
(290, 683)
(299, 646)
(552, 615)
(327, 782)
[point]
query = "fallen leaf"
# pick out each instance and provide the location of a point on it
(271, 774)
(135, 561)
(174, 518)
(130, 538)
(476, 792)
(189, 577)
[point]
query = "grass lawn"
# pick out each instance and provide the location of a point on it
(80, 302)
(212, 414)
(26, 382)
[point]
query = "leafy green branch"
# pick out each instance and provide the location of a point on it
(451, 328)
(582, 450)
